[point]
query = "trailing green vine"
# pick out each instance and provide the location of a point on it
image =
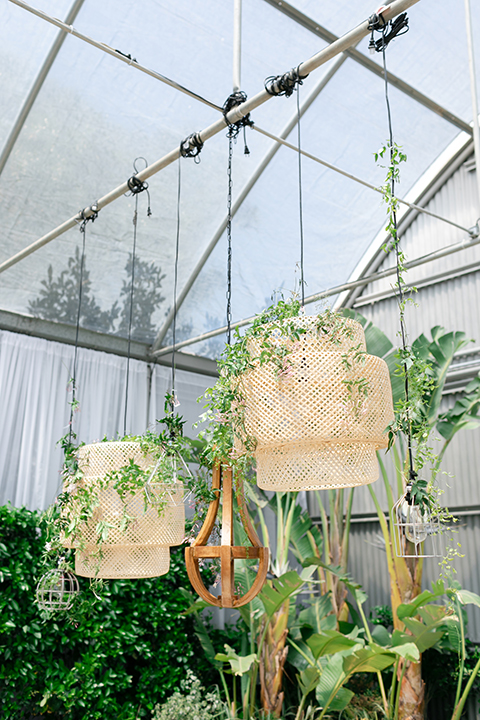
(170, 453)
(271, 339)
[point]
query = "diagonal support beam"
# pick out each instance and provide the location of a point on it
(37, 85)
(67, 27)
(268, 157)
(369, 64)
(305, 68)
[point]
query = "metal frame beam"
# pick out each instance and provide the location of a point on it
(436, 255)
(66, 27)
(369, 64)
(65, 333)
(37, 85)
(305, 68)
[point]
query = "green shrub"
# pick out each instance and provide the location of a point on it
(193, 703)
(112, 657)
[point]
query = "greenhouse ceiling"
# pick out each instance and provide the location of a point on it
(75, 119)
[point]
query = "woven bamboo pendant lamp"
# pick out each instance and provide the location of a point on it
(227, 552)
(143, 549)
(319, 422)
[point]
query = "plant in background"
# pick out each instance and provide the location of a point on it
(116, 655)
(191, 702)
(78, 512)
(435, 356)
(270, 339)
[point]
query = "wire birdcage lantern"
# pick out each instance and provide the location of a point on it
(56, 590)
(417, 532)
(156, 516)
(319, 422)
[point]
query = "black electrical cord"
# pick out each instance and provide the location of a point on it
(229, 239)
(79, 311)
(130, 319)
(175, 282)
(300, 199)
(401, 297)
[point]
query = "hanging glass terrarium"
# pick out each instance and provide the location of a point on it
(318, 409)
(417, 533)
(127, 532)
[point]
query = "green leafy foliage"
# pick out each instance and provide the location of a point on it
(192, 702)
(112, 657)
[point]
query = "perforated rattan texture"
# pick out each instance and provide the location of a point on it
(99, 459)
(123, 562)
(141, 548)
(314, 424)
(309, 466)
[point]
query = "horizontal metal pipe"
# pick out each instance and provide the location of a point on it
(237, 113)
(369, 63)
(436, 255)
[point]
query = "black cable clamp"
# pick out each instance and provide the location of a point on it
(192, 147)
(137, 186)
(92, 215)
(233, 100)
(284, 84)
(376, 22)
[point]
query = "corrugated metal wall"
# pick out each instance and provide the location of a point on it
(453, 301)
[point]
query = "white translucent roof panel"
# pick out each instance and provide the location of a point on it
(94, 115)
(20, 61)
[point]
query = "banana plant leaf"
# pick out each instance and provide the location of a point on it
(239, 664)
(273, 596)
(464, 414)
(425, 636)
(368, 659)
(329, 692)
(329, 643)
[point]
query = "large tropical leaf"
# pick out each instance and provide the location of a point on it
(274, 595)
(318, 615)
(411, 609)
(464, 414)
(240, 664)
(425, 636)
(468, 598)
(368, 659)
(329, 643)
(441, 350)
(375, 339)
(328, 691)
(308, 679)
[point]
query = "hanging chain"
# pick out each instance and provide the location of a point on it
(401, 296)
(229, 240)
(300, 196)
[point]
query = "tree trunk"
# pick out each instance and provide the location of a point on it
(406, 585)
(412, 694)
(272, 661)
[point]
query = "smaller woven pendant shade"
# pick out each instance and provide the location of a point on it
(143, 549)
(314, 426)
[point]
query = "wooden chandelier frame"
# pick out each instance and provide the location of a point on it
(227, 552)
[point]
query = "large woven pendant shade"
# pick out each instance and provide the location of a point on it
(319, 419)
(142, 549)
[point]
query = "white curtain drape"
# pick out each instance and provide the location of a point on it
(34, 409)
